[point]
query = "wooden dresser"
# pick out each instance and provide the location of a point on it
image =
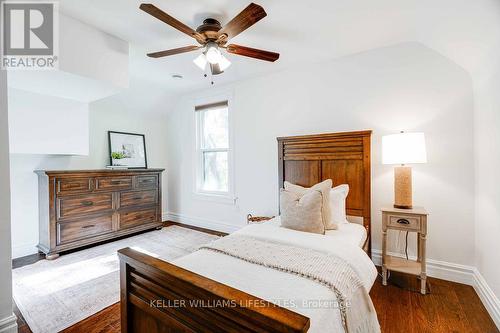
(83, 207)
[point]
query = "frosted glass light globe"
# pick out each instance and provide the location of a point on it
(213, 54)
(224, 63)
(201, 61)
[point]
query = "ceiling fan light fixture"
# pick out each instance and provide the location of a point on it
(201, 61)
(224, 63)
(213, 53)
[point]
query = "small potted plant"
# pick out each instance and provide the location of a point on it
(117, 155)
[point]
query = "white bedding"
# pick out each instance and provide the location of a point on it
(294, 292)
(352, 233)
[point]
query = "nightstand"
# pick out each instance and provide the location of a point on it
(412, 220)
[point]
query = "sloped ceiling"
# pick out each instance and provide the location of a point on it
(304, 32)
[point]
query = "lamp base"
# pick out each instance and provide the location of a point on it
(402, 207)
(402, 187)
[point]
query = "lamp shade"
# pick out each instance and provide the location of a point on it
(404, 148)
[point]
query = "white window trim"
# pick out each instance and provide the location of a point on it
(214, 196)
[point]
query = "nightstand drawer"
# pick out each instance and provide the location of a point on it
(410, 223)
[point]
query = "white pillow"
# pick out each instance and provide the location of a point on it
(338, 196)
(324, 187)
(302, 212)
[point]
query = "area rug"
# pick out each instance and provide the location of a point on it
(53, 295)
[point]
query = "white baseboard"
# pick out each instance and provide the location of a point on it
(438, 269)
(22, 250)
(487, 296)
(458, 273)
(201, 222)
(9, 324)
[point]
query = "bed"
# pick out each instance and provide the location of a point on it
(211, 291)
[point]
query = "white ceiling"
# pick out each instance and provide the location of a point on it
(301, 31)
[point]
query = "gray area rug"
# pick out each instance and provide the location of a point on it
(53, 295)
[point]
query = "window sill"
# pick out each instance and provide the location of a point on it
(218, 198)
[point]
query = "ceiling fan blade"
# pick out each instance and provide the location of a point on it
(244, 20)
(173, 51)
(252, 53)
(164, 17)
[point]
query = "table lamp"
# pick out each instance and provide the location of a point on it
(403, 148)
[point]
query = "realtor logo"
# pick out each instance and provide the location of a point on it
(29, 39)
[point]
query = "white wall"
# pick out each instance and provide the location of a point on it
(42, 124)
(89, 52)
(7, 319)
(404, 87)
(487, 158)
(104, 115)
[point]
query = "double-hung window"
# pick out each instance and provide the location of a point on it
(213, 150)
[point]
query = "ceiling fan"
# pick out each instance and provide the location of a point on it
(212, 37)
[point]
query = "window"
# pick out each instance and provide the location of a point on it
(213, 149)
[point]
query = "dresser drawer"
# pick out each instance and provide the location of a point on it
(137, 217)
(113, 183)
(73, 185)
(147, 181)
(82, 205)
(89, 227)
(138, 198)
(404, 222)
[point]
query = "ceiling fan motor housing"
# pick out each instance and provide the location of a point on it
(209, 28)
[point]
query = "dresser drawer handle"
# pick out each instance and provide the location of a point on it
(403, 221)
(87, 203)
(137, 198)
(146, 181)
(88, 226)
(116, 182)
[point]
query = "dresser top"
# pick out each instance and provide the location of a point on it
(94, 171)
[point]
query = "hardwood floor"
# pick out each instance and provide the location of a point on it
(208, 231)
(449, 307)
(105, 321)
(27, 260)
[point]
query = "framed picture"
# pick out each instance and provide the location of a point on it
(127, 150)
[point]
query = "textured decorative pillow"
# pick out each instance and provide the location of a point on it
(338, 196)
(302, 212)
(324, 187)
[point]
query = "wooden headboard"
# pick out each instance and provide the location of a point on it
(343, 157)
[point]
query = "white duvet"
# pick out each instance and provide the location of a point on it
(296, 293)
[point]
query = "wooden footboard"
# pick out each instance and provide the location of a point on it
(157, 296)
